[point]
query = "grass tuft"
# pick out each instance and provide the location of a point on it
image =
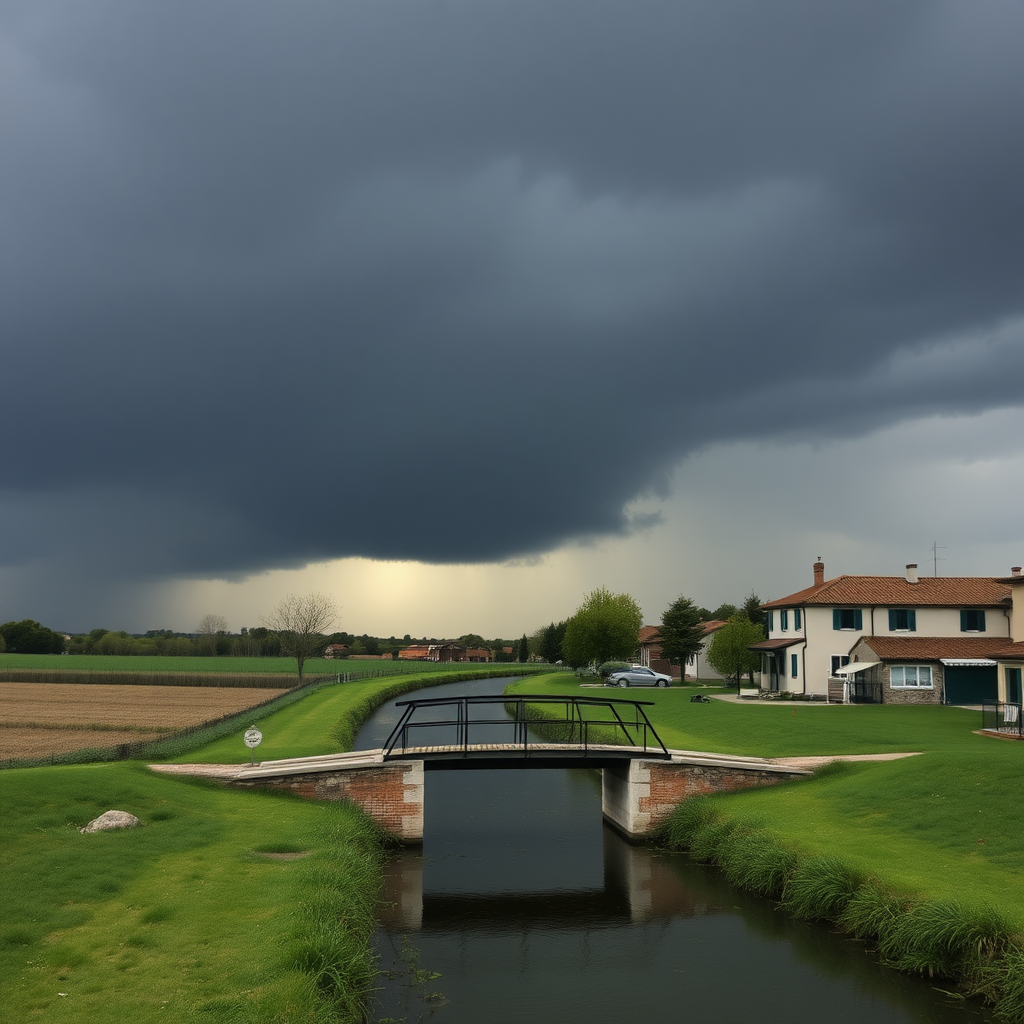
(756, 861)
(1010, 1002)
(944, 938)
(874, 912)
(820, 889)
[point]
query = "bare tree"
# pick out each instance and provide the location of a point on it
(301, 620)
(206, 635)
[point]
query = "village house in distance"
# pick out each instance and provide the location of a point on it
(898, 639)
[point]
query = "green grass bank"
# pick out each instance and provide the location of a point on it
(921, 857)
(224, 906)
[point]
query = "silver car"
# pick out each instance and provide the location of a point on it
(638, 677)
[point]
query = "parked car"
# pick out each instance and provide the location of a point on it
(638, 677)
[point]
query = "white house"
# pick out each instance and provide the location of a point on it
(890, 639)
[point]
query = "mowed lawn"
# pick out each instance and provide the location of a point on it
(948, 823)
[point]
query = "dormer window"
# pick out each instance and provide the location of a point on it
(972, 620)
(902, 620)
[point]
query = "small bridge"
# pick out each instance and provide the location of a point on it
(523, 731)
(642, 780)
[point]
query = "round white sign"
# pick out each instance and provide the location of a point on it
(253, 737)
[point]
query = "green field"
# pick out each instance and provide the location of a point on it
(273, 666)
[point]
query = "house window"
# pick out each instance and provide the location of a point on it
(784, 619)
(796, 618)
(902, 620)
(905, 677)
(794, 665)
(847, 618)
(972, 620)
(838, 661)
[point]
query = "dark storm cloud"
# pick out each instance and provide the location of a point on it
(291, 282)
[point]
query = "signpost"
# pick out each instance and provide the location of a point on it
(253, 738)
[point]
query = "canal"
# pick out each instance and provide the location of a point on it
(522, 905)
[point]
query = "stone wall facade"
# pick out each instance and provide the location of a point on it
(913, 694)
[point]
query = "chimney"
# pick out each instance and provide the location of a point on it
(1015, 570)
(819, 572)
(912, 572)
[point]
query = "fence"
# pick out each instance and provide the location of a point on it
(1003, 718)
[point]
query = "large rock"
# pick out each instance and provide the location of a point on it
(111, 819)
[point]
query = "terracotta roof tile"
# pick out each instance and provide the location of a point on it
(649, 634)
(932, 648)
(1011, 651)
(895, 591)
(712, 625)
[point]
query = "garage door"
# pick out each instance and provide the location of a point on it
(970, 684)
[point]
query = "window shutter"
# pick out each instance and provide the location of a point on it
(981, 621)
(912, 620)
(793, 665)
(837, 619)
(796, 618)
(965, 620)
(858, 619)
(893, 619)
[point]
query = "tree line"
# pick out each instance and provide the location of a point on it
(606, 627)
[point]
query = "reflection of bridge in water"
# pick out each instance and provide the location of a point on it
(638, 886)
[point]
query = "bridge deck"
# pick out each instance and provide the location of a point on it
(492, 755)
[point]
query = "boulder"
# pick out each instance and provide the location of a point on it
(111, 819)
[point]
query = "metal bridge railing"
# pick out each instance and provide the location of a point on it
(588, 723)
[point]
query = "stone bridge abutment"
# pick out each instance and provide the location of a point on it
(638, 795)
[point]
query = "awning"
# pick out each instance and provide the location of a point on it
(969, 662)
(855, 666)
(779, 643)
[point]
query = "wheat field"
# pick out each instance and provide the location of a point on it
(39, 719)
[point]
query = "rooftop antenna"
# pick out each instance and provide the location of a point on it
(936, 548)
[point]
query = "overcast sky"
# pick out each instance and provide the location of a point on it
(457, 309)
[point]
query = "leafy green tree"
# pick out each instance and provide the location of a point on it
(605, 627)
(729, 651)
(681, 631)
(523, 655)
(724, 611)
(300, 621)
(29, 637)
